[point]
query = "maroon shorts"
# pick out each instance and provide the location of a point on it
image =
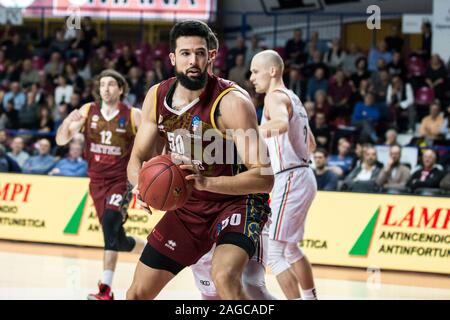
(107, 194)
(186, 234)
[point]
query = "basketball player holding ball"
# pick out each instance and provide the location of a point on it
(109, 128)
(228, 206)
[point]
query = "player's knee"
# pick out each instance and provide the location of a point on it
(126, 244)
(138, 292)
(277, 261)
(224, 277)
(293, 253)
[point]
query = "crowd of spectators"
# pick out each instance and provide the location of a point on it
(356, 100)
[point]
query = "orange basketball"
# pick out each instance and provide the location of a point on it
(162, 184)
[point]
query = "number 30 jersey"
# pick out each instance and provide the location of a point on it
(290, 149)
(109, 142)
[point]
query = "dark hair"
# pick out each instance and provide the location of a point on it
(121, 82)
(213, 41)
(322, 151)
(189, 28)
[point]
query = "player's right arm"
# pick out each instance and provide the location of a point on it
(71, 125)
(146, 137)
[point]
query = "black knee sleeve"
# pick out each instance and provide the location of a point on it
(114, 233)
(238, 239)
(153, 259)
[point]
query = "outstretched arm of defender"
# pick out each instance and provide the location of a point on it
(239, 117)
(71, 125)
(145, 140)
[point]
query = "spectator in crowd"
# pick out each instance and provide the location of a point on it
(342, 162)
(41, 163)
(160, 70)
(239, 48)
(17, 152)
(310, 110)
(335, 57)
(375, 54)
(445, 182)
(90, 34)
(319, 45)
(294, 47)
(45, 120)
(431, 125)
(252, 50)
(4, 139)
(397, 67)
(17, 50)
(73, 78)
(136, 85)
(395, 175)
(380, 86)
(59, 44)
(349, 62)
(126, 60)
(326, 179)
(55, 66)
(238, 73)
(10, 116)
(366, 116)
(29, 75)
(294, 81)
(29, 115)
(429, 175)
(400, 100)
(361, 72)
(394, 42)
(6, 163)
(63, 91)
(62, 112)
(150, 79)
(321, 102)
(367, 172)
(315, 62)
(16, 95)
(391, 137)
(73, 165)
(321, 130)
(75, 103)
(426, 39)
(339, 94)
(435, 76)
(318, 82)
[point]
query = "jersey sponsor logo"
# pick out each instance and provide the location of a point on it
(195, 123)
(95, 118)
(171, 244)
(93, 125)
(108, 150)
(120, 130)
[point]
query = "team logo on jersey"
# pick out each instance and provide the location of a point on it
(93, 125)
(95, 118)
(195, 123)
(122, 122)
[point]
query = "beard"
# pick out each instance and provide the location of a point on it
(192, 83)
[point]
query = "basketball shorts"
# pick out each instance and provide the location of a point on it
(186, 234)
(292, 195)
(107, 194)
(202, 269)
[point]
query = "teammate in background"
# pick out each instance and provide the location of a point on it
(228, 206)
(109, 128)
(253, 278)
(290, 141)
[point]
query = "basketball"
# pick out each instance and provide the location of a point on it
(162, 184)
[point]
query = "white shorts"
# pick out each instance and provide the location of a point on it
(292, 195)
(202, 269)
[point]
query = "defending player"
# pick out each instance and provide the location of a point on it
(288, 136)
(109, 128)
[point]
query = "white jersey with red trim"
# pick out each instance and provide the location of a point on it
(290, 149)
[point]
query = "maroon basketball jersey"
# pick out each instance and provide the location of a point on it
(108, 142)
(192, 131)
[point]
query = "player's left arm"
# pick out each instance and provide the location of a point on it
(137, 117)
(277, 108)
(237, 115)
